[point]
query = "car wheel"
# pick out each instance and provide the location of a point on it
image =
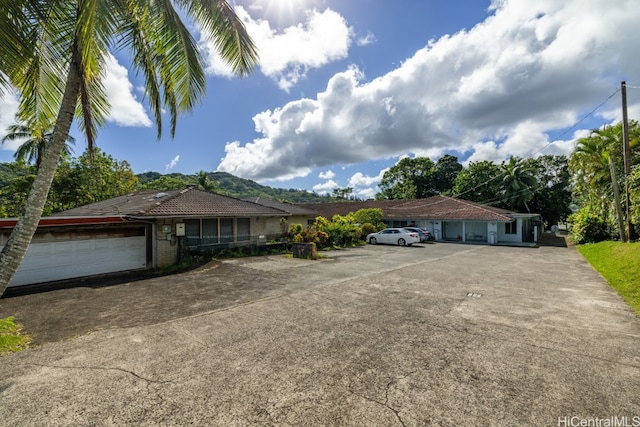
(401, 242)
(373, 241)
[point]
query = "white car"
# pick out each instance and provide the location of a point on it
(394, 236)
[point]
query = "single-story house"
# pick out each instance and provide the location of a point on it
(447, 218)
(141, 230)
(297, 214)
(148, 228)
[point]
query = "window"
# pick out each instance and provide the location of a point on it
(210, 231)
(243, 229)
(511, 227)
(192, 228)
(226, 230)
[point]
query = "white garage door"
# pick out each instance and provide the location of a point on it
(51, 261)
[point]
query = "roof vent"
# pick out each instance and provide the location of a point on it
(160, 195)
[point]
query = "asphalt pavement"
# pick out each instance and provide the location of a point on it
(435, 334)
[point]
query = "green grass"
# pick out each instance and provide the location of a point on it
(619, 264)
(11, 338)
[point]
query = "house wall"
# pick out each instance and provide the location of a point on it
(476, 231)
(271, 226)
(452, 230)
(503, 237)
(492, 232)
(166, 249)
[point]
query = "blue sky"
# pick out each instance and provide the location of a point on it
(345, 89)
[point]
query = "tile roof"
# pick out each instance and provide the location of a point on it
(328, 210)
(175, 203)
(296, 209)
(447, 208)
(436, 208)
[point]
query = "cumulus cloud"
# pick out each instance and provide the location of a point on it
(363, 185)
(496, 90)
(172, 163)
(286, 55)
(359, 179)
(126, 110)
(8, 110)
(326, 175)
(325, 187)
(365, 40)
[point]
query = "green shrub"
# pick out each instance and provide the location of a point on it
(367, 228)
(588, 227)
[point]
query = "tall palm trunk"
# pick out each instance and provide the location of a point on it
(20, 238)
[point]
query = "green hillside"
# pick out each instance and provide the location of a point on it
(237, 187)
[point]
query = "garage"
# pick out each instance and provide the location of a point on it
(59, 252)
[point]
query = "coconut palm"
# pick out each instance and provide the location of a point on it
(35, 141)
(53, 52)
(518, 183)
(597, 165)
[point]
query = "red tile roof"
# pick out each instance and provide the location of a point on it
(448, 208)
(176, 203)
(293, 209)
(328, 210)
(435, 208)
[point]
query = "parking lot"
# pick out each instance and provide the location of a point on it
(433, 334)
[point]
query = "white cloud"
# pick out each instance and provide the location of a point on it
(8, 109)
(366, 193)
(360, 180)
(325, 187)
(287, 55)
(364, 186)
(365, 40)
(172, 163)
(496, 90)
(126, 110)
(326, 175)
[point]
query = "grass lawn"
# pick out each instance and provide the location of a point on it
(619, 264)
(11, 339)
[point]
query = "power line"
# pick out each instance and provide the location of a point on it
(583, 118)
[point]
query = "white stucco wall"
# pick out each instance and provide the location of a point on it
(511, 238)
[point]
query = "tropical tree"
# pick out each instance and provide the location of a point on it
(445, 173)
(518, 183)
(598, 171)
(206, 183)
(552, 196)
(165, 182)
(410, 178)
(14, 186)
(53, 52)
(90, 178)
(35, 139)
(479, 183)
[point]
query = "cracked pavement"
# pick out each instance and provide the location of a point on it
(439, 334)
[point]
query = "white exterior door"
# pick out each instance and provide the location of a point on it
(45, 262)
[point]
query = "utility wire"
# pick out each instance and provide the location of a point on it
(589, 114)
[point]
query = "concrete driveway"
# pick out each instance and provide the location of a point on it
(441, 334)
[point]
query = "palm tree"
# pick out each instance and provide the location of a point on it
(596, 164)
(518, 183)
(53, 52)
(206, 183)
(35, 141)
